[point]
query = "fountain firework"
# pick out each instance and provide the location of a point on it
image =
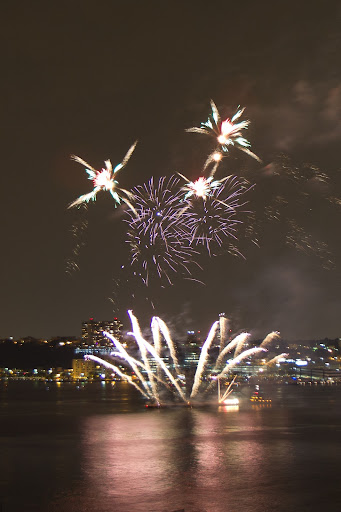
(159, 375)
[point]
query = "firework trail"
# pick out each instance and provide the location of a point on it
(167, 375)
(152, 351)
(298, 239)
(239, 346)
(334, 200)
(306, 173)
(128, 358)
(156, 335)
(238, 359)
(228, 391)
(238, 343)
(142, 344)
(166, 334)
(156, 233)
(290, 199)
(203, 359)
(239, 340)
(154, 326)
(274, 335)
(115, 295)
(117, 371)
(226, 133)
(277, 358)
(78, 231)
(104, 180)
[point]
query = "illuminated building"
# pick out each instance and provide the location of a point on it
(92, 333)
(192, 350)
(223, 330)
(94, 341)
(82, 368)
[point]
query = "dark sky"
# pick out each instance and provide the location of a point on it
(89, 78)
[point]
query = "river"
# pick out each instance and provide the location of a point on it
(95, 447)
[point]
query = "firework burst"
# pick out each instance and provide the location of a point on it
(202, 187)
(211, 211)
(156, 234)
(226, 133)
(104, 180)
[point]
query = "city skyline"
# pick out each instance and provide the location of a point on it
(149, 73)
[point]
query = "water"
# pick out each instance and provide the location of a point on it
(96, 448)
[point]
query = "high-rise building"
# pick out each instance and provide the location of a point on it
(223, 330)
(191, 350)
(92, 332)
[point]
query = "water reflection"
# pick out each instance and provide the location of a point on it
(228, 408)
(185, 458)
(98, 449)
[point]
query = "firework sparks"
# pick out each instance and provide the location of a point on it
(156, 234)
(227, 133)
(241, 337)
(211, 217)
(115, 369)
(297, 238)
(131, 361)
(237, 343)
(152, 351)
(274, 335)
(166, 334)
(78, 231)
(203, 359)
(155, 328)
(228, 391)
(287, 193)
(244, 355)
(104, 180)
(277, 359)
(159, 369)
(144, 348)
(123, 353)
(202, 187)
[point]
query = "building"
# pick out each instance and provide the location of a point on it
(82, 368)
(190, 351)
(224, 333)
(92, 333)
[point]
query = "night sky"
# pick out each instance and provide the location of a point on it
(89, 78)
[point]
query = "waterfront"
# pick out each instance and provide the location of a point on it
(92, 447)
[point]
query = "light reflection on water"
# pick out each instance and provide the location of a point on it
(98, 449)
